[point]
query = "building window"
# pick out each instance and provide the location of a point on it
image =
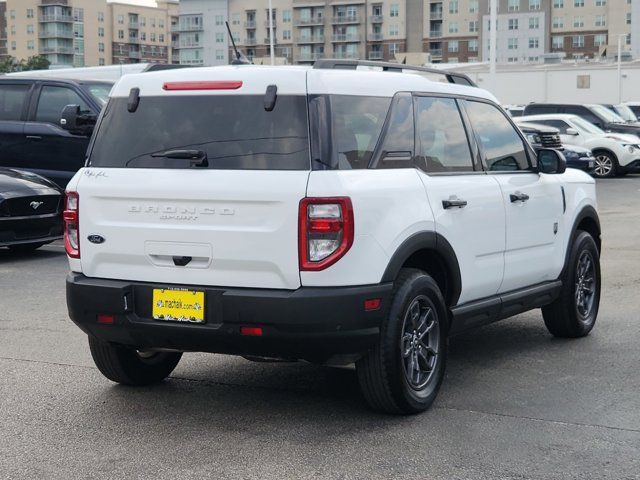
(628, 18)
(30, 29)
(558, 3)
(13, 29)
(161, 23)
(453, 27)
(235, 19)
(534, 23)
(578, 3)
(513, 24)
(161, 37)
(534, 4)
(153, 23)
(394, 48)
(101, 47)
(473, 45)
(219, 20)
(120, 19)
(513, 5)
(219, 54)
(601, 20)
(286, 16)
(602, 3)
(578, 41)
(120, 34)
(534, 43)
(101, 31)
(394, 10)
(101, 16)
(286, 34)
(628, 39)
(473, 26)
(453, 6)
(13, 45)
(29, 12)
(578, 22)
(512, 43)
(512, 59)
(12, 15)
(600, 40)
(143, 36)
(557, 41)
(453, 46)
(558, 22)
(142, 21)
(219, 37)
(152, 37)
(394, 30)
(101, 61)
(473, 6)
(31, 45)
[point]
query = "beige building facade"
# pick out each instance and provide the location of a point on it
(89, 32)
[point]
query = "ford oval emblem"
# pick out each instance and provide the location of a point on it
(95, 238)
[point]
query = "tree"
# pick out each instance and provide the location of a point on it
(11, 64)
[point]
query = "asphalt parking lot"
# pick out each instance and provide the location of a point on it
(516, 403)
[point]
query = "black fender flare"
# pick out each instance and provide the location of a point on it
(587, 212)
(438, 244)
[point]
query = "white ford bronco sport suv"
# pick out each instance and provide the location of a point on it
(351, 212)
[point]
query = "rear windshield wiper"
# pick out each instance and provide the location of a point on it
(198, 157)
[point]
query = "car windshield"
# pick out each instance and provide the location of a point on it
(220, 131)
(607, 114)
(626, 113)
(99, 91)
(586, 126)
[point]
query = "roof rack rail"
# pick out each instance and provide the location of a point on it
(452, 77)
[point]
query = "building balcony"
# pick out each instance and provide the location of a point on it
(190, 45)
(175, 28)
(266, 23)
(190, 28)
(310, 57)
(435, 34)
(250, 41)
(375, 19)
(376, 36)
(311, 39)
(343, 37)
(56, 17)
(134, 54)
(343, 19)
(251, 24)
(436, 52)
(346, 55)
(304, 22)
(435, 15)
(175, 45)
(56, 34)
(57, 49)
(134, 40)
(134, 25)
(376, 55)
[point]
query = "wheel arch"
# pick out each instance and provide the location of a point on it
(431, 252)
(605, 150)
(588, 221)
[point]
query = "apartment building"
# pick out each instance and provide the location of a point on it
(200, 34)
(89, 32)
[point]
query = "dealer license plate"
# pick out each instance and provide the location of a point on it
(178, 305)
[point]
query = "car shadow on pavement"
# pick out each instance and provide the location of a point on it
(7, 255)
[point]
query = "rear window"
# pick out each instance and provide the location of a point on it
(233, 131)
(99, 91)
(12, 98)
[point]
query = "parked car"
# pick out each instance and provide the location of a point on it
(515, 110)
(30, 210)
(623, 111)
(616, 153)
(31, 137)
(598, 115)
(328, 214)
(541, 136)
(635, 108)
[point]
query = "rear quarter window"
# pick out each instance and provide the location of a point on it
(12, 99)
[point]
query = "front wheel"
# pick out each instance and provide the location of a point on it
(573, 314)
(403, 372)
(130, 366)
(606, 165)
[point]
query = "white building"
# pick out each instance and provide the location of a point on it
(203, 37)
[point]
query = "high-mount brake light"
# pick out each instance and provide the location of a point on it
(71, 224)
(326, 229)
(210, 85)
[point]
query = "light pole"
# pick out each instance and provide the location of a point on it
(620, 66)
(493, 38)
(271, 53)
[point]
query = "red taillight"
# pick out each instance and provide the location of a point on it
(212, 85)
(71, 224)
(325, 231)
(251, 331)
(372, 304)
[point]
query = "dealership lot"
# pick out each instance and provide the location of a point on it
(516, 402)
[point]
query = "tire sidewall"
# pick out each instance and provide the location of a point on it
(614, 164)
(583, 242)
(405, 396)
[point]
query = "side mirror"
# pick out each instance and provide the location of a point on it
(572, 131)
(551, 161)
(76, 122)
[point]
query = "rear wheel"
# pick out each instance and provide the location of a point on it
(606, 165)
(130, 366)
(573, 314)
(403, 373)
(25, 247)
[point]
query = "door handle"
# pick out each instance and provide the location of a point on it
(518, 197)
(454, 203)
(34, 137)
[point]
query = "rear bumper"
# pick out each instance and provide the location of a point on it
(315, 324)
(32, 229)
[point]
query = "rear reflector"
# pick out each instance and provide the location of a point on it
(106, 319)
(213, 85)
(251, 331)
(372, 304)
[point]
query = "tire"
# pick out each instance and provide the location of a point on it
(25, 247)
(130, 367)
(606, 165)
(388, 379)
(573, 314)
